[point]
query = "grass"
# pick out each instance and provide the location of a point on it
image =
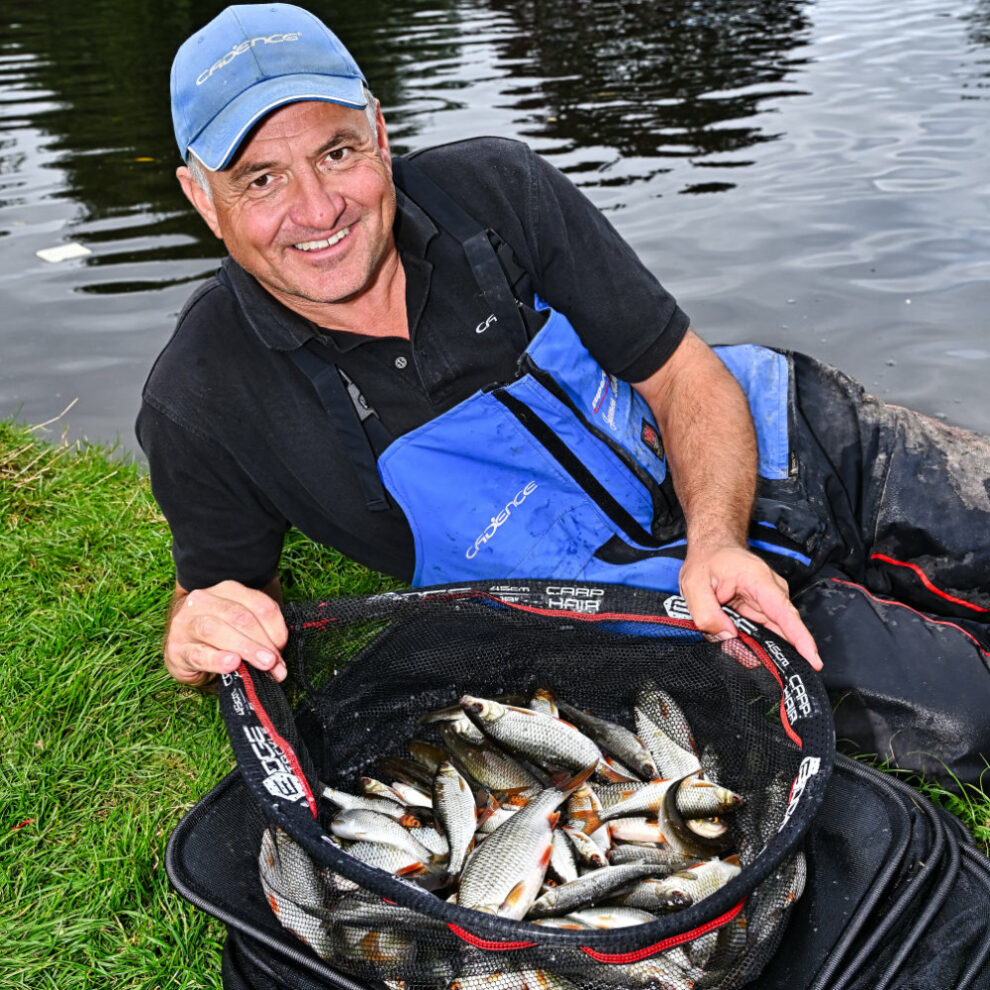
(101, 753)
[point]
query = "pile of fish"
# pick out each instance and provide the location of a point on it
(530, 809)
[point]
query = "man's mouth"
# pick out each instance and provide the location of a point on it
(329, 242)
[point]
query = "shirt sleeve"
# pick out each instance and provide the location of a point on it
(222, 529)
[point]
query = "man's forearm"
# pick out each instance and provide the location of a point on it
(708, 435)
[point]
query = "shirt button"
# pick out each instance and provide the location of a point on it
(401, 362)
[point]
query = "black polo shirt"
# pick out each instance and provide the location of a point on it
(240, 446)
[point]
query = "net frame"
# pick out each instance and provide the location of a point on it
(273, 740)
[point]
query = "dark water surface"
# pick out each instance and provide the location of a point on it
(810, 174)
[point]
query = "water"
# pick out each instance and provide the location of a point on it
(808, 174)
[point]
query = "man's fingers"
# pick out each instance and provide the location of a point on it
(213, 632)
(705, 608)
(783, 619)
(261, 607)
(215, 620)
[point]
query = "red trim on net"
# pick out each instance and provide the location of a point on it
(926, 581)
(622, 958)
(596, 616)
(921, 615)
(483, 943)
(266, 723)
(772, 667)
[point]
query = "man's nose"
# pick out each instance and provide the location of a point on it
(317, 201)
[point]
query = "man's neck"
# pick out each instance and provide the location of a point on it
(379, 310)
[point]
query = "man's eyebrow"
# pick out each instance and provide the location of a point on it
(247, 167)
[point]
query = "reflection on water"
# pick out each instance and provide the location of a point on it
(809, 174)
(671, 80)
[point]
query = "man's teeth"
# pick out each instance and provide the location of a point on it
(329, 242)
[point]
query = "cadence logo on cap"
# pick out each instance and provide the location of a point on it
(270, 39)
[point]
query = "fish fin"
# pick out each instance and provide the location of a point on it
(733, 860)
(568, 781)
(553, 818)
(514, 897)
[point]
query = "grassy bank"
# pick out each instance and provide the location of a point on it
(100, 753)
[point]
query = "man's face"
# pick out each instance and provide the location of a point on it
(308, 204)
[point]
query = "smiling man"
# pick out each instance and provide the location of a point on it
(287, 161)
(450, 367)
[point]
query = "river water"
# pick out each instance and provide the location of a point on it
(805, 174)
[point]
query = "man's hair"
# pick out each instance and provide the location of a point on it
(199, 173)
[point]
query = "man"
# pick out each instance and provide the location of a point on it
(302, 196)
(435, 381)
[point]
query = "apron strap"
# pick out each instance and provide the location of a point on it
(362, 433)
(486, 262)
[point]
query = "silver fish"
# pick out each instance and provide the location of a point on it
(544, 700)
(616, 740)
(587, 850)
(488, 765)
(391, 859)
(588, 889)
(658, 894)
(386, 948)
(663, 856)
(504, 873)
(672, 760)
(687, 887)
(547, 741)
(457, 812)
(429, 754)
(563, 858)
(384, 806)
(611, 917)
(496, 813)
(359, 825)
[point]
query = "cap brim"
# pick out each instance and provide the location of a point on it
(218, 142)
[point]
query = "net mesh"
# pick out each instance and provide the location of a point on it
(366, 671)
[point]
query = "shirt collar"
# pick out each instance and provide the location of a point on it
(280, 329)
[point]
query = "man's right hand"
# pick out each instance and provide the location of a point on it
(213, 629)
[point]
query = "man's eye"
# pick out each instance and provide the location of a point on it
(261, 182)
(338, 154)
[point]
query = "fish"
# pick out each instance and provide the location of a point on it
(542, 739)
(588, 851)
(615, 740)
(457, 812)
(544, 700)
(503, 874)
(383, 805)
(489, 766)
(672, 759)
(611, 917)
(686, 887)
(563, 858)
(590, 888)
(360, 825)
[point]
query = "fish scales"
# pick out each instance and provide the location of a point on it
(503, 874)
(547, 741)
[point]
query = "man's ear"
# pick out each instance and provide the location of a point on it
(382, 135)
(200, 200)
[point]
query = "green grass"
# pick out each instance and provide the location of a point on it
(101, 753)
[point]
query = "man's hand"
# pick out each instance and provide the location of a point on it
(213, 629)
(731, 575)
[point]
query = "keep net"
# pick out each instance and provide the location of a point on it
(364, 670)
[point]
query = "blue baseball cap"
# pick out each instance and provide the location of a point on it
(249, 60)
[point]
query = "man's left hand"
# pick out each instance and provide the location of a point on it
(732, 575)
